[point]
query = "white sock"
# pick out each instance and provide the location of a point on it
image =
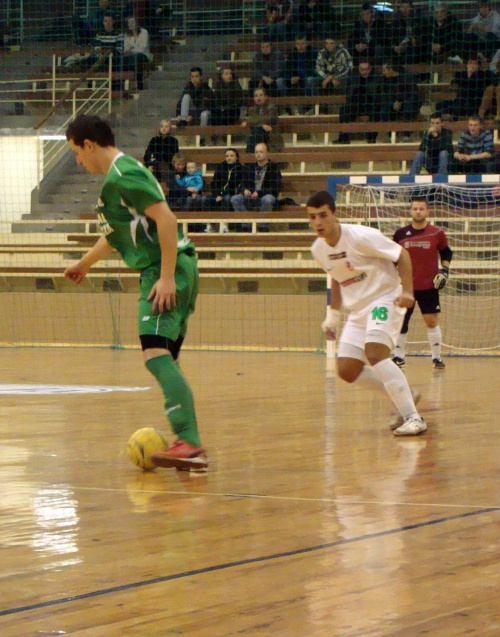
(399, 350)
(434, 336)
(397, 387)
(368, 380)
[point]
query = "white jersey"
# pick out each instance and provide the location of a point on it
(362, 263)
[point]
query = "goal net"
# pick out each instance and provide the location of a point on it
(469, 214)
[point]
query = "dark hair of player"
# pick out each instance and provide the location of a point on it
(92, 128)
(420, 198)
(321, 198)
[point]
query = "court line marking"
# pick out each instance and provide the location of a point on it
(252, 560)
(285, 498)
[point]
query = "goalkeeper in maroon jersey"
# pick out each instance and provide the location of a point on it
(428, 247)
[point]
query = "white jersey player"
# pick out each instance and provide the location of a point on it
(365, 280)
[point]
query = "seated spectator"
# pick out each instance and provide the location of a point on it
(227, 99)
(400, 98)
(475, 149)
(269, 70)
(85, 27)
(368, 38)
(361, 101)
(318, 18)
(446, 35)
(279, 19)
(490, 104)
(175, 194)
(435, 150)
(485, 30)
(136, 52)
(226, 182)
(160, 150)
(262, 122)
(333, 66)
(149, 13)
(470, 85)
(260, 186)
(300, 68)
(409, 35)
(192, 181)
(195, 100)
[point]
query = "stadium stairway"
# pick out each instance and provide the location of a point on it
(72, 191)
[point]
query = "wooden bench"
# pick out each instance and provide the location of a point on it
(288, 125)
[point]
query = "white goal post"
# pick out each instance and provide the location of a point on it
(467, 207)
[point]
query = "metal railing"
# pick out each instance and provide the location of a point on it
(52, 145)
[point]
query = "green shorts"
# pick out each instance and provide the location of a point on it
(173, 323)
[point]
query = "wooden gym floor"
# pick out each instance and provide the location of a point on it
(313, 521)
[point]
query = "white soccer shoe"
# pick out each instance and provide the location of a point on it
(411, 427)
(397, 420)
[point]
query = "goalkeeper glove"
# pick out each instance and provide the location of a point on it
(441, 278)
(331, 322)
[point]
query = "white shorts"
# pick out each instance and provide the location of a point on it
(380, 316)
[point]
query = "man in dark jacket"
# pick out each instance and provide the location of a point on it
(261, 184)
(225, 183)
(436, 149)
(446, 34)
(410, 35)
(269, 70)
(195, 100)
(361, 100)
(470, 85)
(400, 97)
(300, 68)
(160, 150)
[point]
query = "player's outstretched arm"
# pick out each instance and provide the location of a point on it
(79, 270)
(406, 298)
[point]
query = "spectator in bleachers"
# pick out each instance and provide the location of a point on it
(318, 18)
(490, 104)
(150, 13)
(475, 149)
(196, 99)
(300, 68)
(269, 70)
(279, 19)
(333, 65)
(192, 181)
(435, 150)
(85, 28)
(109, 39)
(175, 193)
(261, 184)
(160, 150)
(369, 35)
(470, 85)
(227, 99)
(485, 29)
(410, 34)
(400, 98)
(446, 35)
(361, 100)
(225, 184)
(136, 52)
(262, 122)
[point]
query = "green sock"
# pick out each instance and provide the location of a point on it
(179, 402)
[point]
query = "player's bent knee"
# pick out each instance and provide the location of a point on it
(348, 369)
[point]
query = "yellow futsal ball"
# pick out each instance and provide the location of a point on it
(142, 444)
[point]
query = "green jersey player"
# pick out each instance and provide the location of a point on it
(136, 221)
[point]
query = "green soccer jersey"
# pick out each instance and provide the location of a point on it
(128, 190)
